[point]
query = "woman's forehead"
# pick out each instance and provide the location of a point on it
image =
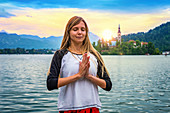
(81, 24)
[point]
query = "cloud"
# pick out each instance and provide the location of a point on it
(52, 21)
(5, 14)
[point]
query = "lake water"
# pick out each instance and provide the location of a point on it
(140, 84)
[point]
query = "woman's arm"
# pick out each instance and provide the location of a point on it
(98, 81)
(54, 71)
(67, 80)
(104, 76)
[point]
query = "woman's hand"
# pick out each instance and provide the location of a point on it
(84, 66)
(83, 71)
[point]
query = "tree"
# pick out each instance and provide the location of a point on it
(157, 52)
(151, 48)
(125, 49)
(159, 36)
(94, 44)
(114, 51)
(1, 51)
(139, 51)
(144, 49)
(138, 43)
(98, 47)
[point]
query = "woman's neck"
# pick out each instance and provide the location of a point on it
(76, 48)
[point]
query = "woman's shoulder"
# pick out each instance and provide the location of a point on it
(60, 53)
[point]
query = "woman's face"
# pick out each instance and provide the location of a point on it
(78, 33)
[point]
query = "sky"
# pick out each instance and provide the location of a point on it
(49, 17)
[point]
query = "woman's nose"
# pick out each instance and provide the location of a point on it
(79, 31)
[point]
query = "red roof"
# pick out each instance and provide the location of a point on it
(131, 41)
(113, 39)
(144, 43)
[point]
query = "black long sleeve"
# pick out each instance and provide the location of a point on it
(105, 77)
(52, 78)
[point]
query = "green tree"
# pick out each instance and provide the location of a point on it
(114, 51)
(94, 44)
(98, 47)
(157, 52)
(138, 43)
(151, 48)
(144, 49)
(1, 51)
(125, 49)
(139, 51)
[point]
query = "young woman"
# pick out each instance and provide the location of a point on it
(77, 69)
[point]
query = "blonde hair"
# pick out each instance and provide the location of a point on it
(87, 46)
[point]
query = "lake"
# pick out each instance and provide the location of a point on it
(140, 84)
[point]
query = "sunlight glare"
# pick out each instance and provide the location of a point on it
(107, 35)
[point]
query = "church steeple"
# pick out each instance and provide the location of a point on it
(119, 34)
(119, 29)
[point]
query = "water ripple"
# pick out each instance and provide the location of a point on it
(140, 84)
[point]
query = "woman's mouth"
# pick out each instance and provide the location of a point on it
(79, 37)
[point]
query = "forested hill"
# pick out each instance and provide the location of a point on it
(12, 41)
(159, 36)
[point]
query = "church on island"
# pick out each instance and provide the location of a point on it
(112, 42)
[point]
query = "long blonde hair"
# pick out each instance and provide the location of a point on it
(87, 46)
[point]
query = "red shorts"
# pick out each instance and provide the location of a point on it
(87, 110)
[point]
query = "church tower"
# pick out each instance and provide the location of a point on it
(119, 35)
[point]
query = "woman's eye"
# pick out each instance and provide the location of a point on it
(75, 29)
(83, 29)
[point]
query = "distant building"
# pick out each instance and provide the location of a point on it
(144, 43)
(134, 43)
(112, 41)
(119, 35)
(166, 53)
(53, 51)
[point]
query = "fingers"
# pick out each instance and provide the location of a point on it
(84, 65)
(85, 58)
(88, 65)
(84, 68)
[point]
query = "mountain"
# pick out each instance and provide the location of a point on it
(34, 37)
(93, 37)
(14, 41)
(159, 36)
(3, 31)
(8, 40)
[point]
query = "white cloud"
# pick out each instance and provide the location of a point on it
(5, 14)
